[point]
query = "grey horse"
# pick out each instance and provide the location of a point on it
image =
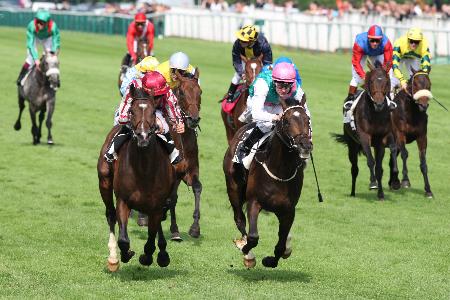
(39, 88)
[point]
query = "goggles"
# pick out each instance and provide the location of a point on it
(377, 41)
(182, 72)
(140, 23)
(283, 84)
(414, 42)
(40, 22)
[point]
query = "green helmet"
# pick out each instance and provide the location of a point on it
(43, 15)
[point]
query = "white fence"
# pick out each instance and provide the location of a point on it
(303, 31)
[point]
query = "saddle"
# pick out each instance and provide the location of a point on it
(228, 105)
(22, 82)
(259, 145)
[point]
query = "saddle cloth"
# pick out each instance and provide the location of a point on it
(247, 160)
(228, 107)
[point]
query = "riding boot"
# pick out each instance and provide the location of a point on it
(351, 97)
(231, 90)
(126, 61)
(22, 73)
(169, 145)
(244, 147)
(118, 140)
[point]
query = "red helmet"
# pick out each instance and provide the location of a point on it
(155, 82)
(140, 18)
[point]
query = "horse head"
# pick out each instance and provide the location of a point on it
(50, 68)
(189, 98)
(419, 88)
(378, 84)
(252, 68)
(142, 116)
(294, 127)
(141, 50)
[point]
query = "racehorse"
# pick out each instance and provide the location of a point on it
(39, 88)
(273, 183)
(373, 128)
(143, 179)
(410, 121)
(189, 100)
(141, 53)
(230, 119)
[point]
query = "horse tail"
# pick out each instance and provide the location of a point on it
(346, 140)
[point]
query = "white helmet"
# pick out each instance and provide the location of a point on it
(179, 60)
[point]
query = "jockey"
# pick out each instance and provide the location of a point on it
(42, 30)
(146, 65)
(375, 45)
(167, 106)
(178, 61)
(245, 117)
(266, 109)
(250, 44)
(412, 51)
(139, 29)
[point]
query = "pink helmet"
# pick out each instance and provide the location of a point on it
(155, 82)
(284, 72)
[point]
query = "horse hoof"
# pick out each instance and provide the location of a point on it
(429, 195)
(270, 262)
(113, 265)
(406, 184)
(146, 260)
(50, 142)
(249, 263)
(395, 185)
(142, 221)
(287, 253)
(176, 237)
(373, 185)
(163, 259)
(126, 256)
(194, 231)
(240, 243)
(17, 126)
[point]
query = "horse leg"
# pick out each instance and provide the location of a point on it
(163, 259)
(394, 182)
(353, 158)
(284, 228)
(253, 210)
(173, 218)
(48, 122)
(21, 101)
(34, 128)
(194, 231)
(154, 223)
(123, 211)
(404, 155)
(422, 145)
(41, 120)
(365, 144)
(379, 155)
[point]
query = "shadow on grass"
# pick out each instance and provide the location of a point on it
(141, 233)
(271, 275)
(133, 272)
(371, 196)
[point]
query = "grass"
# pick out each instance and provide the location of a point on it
(53, 233)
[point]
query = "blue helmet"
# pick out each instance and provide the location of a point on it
(283, 59)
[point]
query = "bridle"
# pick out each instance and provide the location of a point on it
(153, 129)
(369, 92)
(184, 112)
(411, 83)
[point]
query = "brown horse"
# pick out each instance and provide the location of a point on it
(252, 68)
(273, 183)
(142, 179)
(410, 121)
(373, 128)
(141, 53)
(189, 100)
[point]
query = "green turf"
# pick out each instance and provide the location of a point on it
(53, 233)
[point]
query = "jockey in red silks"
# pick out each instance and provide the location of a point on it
(139, 29)
(372, 44)
(167, 106)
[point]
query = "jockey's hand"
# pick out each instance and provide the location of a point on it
(276, 118)
(37, 62)
(179, 128)
(404, 86)
(243, 77)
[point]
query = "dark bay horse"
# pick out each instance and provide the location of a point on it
(273, 183)
(189, 100)
(39, 89)
(410, 121)
(373, 128)
(252, 68)
(141, 53)
(143, 179)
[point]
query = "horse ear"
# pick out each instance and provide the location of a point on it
(413, 71)
(197, 73)
(370, 65)
(303, 101)
(244, 59)
(283, 103)
(387, 66)
(260, 57)
(132, 90)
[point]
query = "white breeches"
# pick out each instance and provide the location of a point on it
(236, 77)
(406, 63)
(356, 80)
(46, 44)
(160, 120)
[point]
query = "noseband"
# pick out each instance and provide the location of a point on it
(420, 93)
(287, 139)
(153, 129)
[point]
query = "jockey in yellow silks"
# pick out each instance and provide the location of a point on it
(178, 61)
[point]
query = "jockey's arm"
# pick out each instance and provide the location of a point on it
(30, 41)
(388, 56)
(237, 61)
(259, 98)
(130, 40)
(130, 75)
(172, 108)
(122, 117)
(396, 62)
(56, 39)
(357, 56)
(425, 61)
(150, 36)
(267, 51)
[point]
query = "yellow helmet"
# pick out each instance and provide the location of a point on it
(415, 34)
(247, 33)
(147, 64)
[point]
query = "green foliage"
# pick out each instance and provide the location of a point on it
(54, 235)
